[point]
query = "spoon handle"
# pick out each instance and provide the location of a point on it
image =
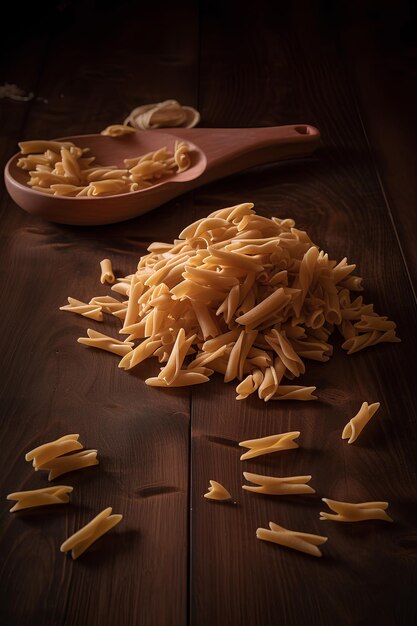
(234, 149)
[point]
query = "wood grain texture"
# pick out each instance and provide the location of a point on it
(380, 48)
(366, 569)
(177, 558)
(92, 75)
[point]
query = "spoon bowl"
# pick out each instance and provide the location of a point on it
(214, 153)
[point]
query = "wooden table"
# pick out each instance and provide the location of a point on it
(177, 559)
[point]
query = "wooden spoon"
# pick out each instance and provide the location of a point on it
(214, 152)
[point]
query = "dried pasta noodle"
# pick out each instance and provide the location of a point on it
(216, 491)
(69, 463)
(104, 342)
(277, 486)
(53, 449)
(168, 113)
(267, 445)
(117, 130)
(354, 427)
(107, 275)
(64, 169)
(249, 297)
(40, 497)
(304, 542)
(348, 512)
(92, 311)
(88, 534)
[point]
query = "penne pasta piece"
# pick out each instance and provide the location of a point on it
(118, 130)
(40, 497)
(272, 304)
(107, 275)
(250, 384)
(69, 463)
(37, 146)
(92, 311)
(294, 392)
(140, 353)
(267, 445)
(348, 512)
(53, 449)
(354, 427)
(276, 486)
(88, 534)
(183, 378)
(303, 542)
(216, 491)
(104, 342)
(111, 305)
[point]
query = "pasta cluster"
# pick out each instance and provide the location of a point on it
(54, 456)
(63, 455)
(64, 169)
(243, 295)
(168, 113)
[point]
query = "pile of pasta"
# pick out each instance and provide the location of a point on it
(240, 294)
(64, 169)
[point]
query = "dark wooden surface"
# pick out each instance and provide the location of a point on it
(177, 559)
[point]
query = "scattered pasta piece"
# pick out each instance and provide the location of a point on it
(163, 114)
(40, 497)
(354, 427)
(239, 294)
(266, 445)
(275, 486)
(104, 342)
(107, 275)
(91, 311)
(182, 379)
(304, 542)
(88, 534)
(117, 130)
(53, 449)
(63, 169)
(69, 463)
(348, 512)
(216, 491)
(111, 305)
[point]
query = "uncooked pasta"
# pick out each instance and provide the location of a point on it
(40, 497)
(277, 486)
(107, 275)
(216, 491)
(69, 463)
(267, 445)
(53, 449)
(168, 113)
(88, 534)
(64, 169)
(359, 512)
(92, 311)
(304, 542)
(246, 296)
(354, 427)
(104, 342)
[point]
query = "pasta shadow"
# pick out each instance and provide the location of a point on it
(40, 514)
(110, 546)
